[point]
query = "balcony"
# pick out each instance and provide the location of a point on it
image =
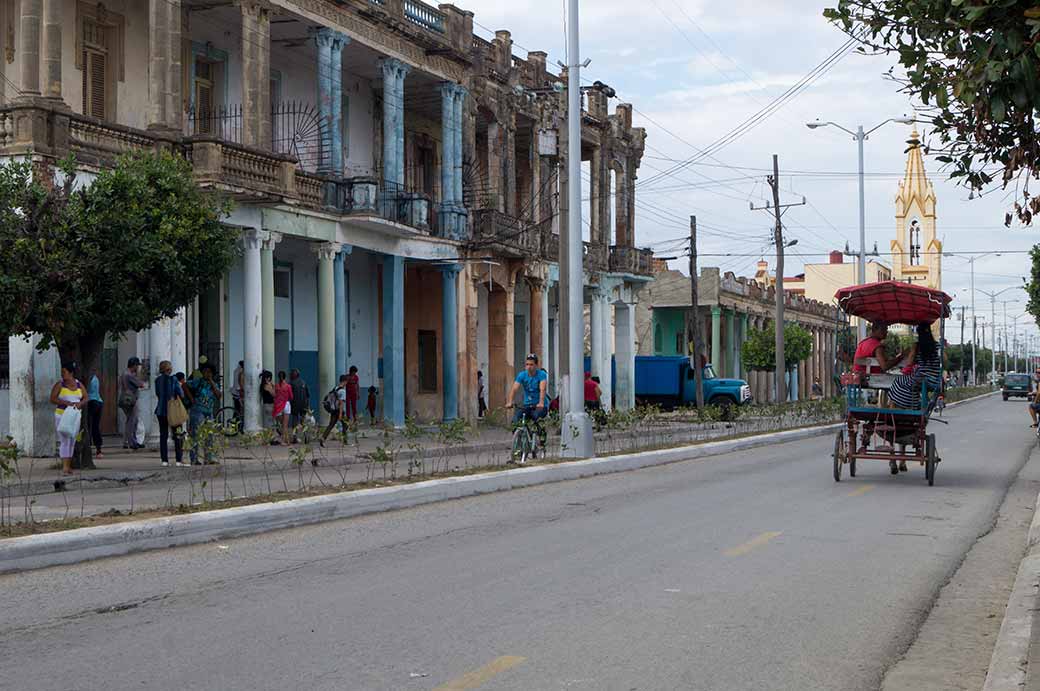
(513, 237)
(596, 257)
(631, 260)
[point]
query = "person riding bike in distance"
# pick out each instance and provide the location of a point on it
(534, 382)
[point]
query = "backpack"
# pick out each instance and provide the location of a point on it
(331, 401)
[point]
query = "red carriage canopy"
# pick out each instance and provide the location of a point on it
(894, 302)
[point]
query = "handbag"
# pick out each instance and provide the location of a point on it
(176, 415)
(68, 426)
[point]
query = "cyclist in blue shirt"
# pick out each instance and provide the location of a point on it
(534, 382)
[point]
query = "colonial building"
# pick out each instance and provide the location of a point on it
(728, 307)
(397, 184)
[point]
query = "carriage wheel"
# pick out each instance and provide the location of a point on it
(839, 454)
(931, 459)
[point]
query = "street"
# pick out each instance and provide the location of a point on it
(744, 571)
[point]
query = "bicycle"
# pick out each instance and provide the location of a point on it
(229, 421)
(526, 437)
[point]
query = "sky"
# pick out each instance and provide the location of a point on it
(693, 69)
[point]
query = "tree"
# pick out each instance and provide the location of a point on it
(758, 352)
(973, 65)
(117, 255)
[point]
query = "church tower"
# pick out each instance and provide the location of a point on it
(916, 251)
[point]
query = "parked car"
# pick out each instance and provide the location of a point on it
(669, 382)
(1017, 384)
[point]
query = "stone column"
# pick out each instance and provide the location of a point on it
(731, 347)
(158, 62)
(402, 72)
(741, 370)
(267, 305)
(174, 84)
(330, 46)
(597, 223)
(448, 154)
(459, 105)
(252, 335)
(327, 377)
(716, 340)
(625, 355)
(510, 167)
(158, 350)
(52, 49)
(394, 73)
(494, 167)
(597, 315)
(393, 340)
(256, 73)
(543, 309)
(29, 46)
(537, 287)
(31, 415)
(178, 342)
(339, 280)
(450, 339)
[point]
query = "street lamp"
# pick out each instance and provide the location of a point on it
(971, 261)
(860, 136)
(993, 319)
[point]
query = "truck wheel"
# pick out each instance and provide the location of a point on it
(725, 403)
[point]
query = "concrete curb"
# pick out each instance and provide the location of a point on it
(83, 544)
(1009, 663)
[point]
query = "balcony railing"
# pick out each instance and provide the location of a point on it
(596, 257)
(631, 260)
(514, 236)
(424, 15)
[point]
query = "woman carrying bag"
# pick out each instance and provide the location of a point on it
(170, 412)
(70, 397)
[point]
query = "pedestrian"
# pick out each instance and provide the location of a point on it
(817, 389)
(283, 397)
(204, 396)
(95, 404)
(301, 401)
(481, 396)
(335, 410)
(129, 388)
(353, 393)
(167, 389)
(592, 393)
(66, 394)
(371, 404)
(267, 395)
(237, 387)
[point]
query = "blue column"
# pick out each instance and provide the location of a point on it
(339, 42)
(450, 339)
(458, 110)
(731, 346)
(393, 340)
(339, 280)
(389, 67)
(402, 72)
(447, 215)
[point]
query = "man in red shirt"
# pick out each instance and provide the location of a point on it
(873, 347)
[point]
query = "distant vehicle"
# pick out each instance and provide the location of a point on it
(1017, 384)
(669, 382)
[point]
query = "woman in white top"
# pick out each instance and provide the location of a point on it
(67, 393)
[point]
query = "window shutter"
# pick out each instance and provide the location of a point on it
(204, 107)
(98, 71)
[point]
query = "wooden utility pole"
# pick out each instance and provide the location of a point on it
(695, 320)
(778, 239)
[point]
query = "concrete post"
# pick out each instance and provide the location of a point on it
(402, 72)
(731, 369)
(597, 314)
(252, 335)
(250, 77)
(31, 415)
(606, 376)
(267, 305)
(263, 76)
(327, 377)
(393, 340)
(158, 350)
(330, 46)
(625, 355)
(537, 288)
(543, 309)
(158, 64)
(174, 85)
(323, 41)
(741, 370)
(52, 49)
(716, 340)
(450, 339)
(29, 46)
(458, 106)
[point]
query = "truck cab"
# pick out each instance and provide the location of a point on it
(717, 391)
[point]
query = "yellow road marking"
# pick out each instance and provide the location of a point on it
(754, 543)
(478, 677)
(862, 490)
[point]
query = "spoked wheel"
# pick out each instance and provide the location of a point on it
(227, 421)
(839, 454)
(931, 459)
(519, 453)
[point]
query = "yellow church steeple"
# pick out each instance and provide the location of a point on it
(916, 251)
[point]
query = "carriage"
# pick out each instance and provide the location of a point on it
(875, 429)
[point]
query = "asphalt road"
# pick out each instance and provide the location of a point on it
(744, 571)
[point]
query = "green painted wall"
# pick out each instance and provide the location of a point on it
(669, 327)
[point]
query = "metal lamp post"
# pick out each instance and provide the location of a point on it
(860, 136)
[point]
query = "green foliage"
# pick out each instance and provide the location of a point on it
(758, 352)
(131, 248)
(973, 65)
(1033, 285)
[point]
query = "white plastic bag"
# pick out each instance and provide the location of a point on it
(69, 424)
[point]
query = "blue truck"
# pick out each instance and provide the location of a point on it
(668, 381)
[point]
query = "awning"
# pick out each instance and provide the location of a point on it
(894, 302)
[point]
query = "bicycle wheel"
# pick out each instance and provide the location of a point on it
(229, 424)
(519, 443)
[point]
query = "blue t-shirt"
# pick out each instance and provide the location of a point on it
(530, 385)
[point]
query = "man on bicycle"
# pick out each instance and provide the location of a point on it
(534, 382)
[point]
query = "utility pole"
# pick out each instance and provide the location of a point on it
(962, 344)
(778, 238)
(974, 336)
(695, 325)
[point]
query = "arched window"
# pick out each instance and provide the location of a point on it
(915, 243)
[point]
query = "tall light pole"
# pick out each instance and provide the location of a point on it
(993, 320)
(860, 136)
(576, 430)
